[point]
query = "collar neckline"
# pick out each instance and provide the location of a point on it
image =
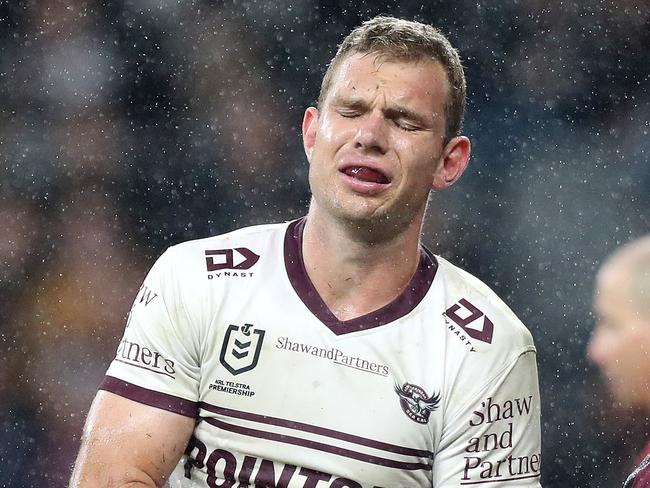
(403, 304)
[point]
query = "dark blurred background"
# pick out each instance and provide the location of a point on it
(129, 126)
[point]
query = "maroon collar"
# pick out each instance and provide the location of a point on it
(404, 303)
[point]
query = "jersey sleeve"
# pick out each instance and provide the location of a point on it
(494, 439)
(640, 477)
(157, 362)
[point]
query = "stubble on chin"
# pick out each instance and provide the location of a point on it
(373, 226)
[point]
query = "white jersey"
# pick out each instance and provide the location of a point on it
(438, 388)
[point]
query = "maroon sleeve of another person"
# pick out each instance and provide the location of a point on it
(640, 478)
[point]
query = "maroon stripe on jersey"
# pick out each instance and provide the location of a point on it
(304, 288)
(287, 439)
(314, 429)
(150, 397)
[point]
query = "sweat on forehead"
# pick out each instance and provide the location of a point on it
(378, 60)
(365, 75)
(417, 90)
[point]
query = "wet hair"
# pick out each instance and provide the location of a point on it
(403, 40)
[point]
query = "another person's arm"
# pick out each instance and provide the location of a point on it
(640, 477)
(129, 444)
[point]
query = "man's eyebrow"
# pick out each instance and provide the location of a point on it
(349, 101)
(393, 112)
(390, 112)
(405, 112)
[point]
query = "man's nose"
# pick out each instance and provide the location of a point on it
(372, 134)
(597, 349)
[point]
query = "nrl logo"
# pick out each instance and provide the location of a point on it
(241, 348)
(417, 405)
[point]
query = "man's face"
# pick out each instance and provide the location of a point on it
(376, 148)
(620, 345)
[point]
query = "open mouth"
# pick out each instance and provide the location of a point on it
(369, 175)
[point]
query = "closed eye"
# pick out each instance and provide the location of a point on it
(406, 119)
(348, 114)
(406, 126)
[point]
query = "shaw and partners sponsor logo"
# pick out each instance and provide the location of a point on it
(468, 323)
(333, 354)
(222, 263)
(490, 457)
(137, 355)
(144, 297)
(225, 468)
(417, 405)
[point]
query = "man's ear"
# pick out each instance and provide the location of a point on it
(309, 130)
(455, 157)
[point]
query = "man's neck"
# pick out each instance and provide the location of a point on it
(355, 276)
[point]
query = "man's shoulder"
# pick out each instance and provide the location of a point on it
(259, 234)
(235, 253)
(237, 248)
(473, 306)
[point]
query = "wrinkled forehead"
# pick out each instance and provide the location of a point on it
(417, 77)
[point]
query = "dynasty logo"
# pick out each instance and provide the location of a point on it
(241, 348)
(240, 259)
(417, 405)
(468, 316)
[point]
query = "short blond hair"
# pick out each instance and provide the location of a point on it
(406, 40)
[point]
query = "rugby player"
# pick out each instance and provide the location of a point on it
(620, 344)
(334, 350)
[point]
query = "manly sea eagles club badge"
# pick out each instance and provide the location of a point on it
(241, 348)
(417, 405)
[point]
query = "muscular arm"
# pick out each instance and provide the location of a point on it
(128, 444)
